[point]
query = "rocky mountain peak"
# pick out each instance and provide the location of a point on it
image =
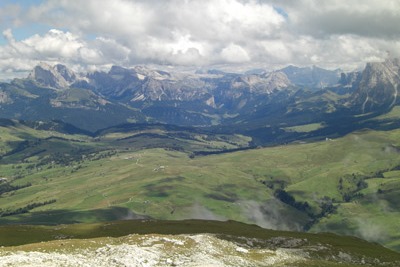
(393, 63)
(142, 72)
(312, 76)
(66, 73)
(118, 71)
(379, 86)
(277, 80)
(58, 76)
(262, 84)
(350, 79)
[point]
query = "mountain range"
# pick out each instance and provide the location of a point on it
(250, 102)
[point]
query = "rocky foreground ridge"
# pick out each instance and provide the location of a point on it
(151, 250)
(183, 243)
(181, 250)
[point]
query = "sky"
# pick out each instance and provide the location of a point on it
(95, 34)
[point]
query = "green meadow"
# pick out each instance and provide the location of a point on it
(348, 185)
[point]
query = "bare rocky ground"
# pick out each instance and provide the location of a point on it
(148, 250)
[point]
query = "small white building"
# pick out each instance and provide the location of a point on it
(3, 180)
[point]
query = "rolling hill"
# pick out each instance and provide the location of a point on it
(346, 185)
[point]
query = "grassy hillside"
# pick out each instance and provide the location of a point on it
(347, 185)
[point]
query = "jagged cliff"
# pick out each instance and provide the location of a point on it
(378, 87)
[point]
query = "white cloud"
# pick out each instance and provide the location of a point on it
(369, 18)
(191, 56)
(234, 54)
(174, 31)
(54, 46)
(111, 50)
(8, 35)
(95, 33)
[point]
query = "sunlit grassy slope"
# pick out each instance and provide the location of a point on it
(115, 177)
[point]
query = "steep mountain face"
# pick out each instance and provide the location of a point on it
(68, 75)
(113, 84)
(141, 87)
(378, 87)
(350, 80)
(243, 92)
(58, 76)
(265, 83)
(312, 77)
(172, 89)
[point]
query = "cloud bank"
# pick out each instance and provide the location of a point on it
(93, 34)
